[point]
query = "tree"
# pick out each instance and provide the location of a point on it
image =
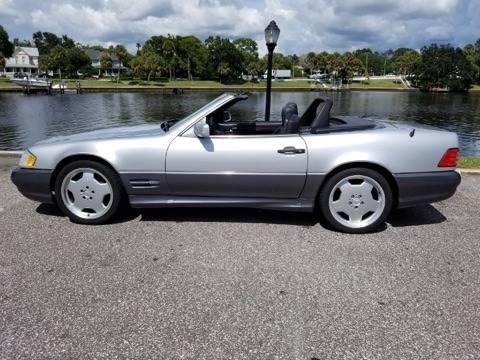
(472, 52)
(224, 70)
(310, 62)
(147, 63)
(56, 60)
(406, 63)
(257, 68)
(6, 47)
(334, 63)
(170, 54)
(374, 63)
(106, 62)
(45, 41)
(77, 59)
(193, 55)
(223, 58)
(18, 42)
(166, 48)
(44, 63)
(248, 48)
(123, 57)
(444, 66)
(351, 66)
(67, 43)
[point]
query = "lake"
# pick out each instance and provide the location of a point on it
(27, 119)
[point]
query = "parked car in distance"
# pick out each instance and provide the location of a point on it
(319, 76)
(279, 74)
(354, 171)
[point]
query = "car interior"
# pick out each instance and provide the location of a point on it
(315, 119)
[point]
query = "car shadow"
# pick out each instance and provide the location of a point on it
(230, 215)
(124, 215)
(415, 216)
(49, 209)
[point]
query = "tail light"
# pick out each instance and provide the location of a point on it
(449, 159)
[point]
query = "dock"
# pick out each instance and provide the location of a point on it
(50, 89)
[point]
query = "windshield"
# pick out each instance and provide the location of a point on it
(185, 120)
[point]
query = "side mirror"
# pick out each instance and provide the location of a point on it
(227, 116)
(201, 129)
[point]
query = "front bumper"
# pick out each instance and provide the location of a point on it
(33, 184)
(426, 188)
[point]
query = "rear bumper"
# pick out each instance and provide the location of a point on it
(426, 188)
(33, 184)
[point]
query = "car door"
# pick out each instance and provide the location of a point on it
(262, 166)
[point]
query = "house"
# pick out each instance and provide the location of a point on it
(96, 55)
(23, 62)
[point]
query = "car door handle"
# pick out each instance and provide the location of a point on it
(291, 150)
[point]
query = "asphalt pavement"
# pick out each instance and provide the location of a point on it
(239, 284)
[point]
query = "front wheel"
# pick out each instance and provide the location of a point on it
(88, 192)
(356, 200)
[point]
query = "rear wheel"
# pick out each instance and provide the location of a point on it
(88, 192)
(356, 200)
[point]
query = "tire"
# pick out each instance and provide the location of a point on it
(88, 192)
(356, 200)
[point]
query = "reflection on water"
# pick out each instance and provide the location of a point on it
(27, 119)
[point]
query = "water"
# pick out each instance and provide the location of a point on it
(27, 119)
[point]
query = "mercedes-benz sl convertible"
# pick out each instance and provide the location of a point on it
(354, 171)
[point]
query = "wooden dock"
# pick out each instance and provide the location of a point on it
(51, 90)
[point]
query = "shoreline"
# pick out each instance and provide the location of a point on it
(15, 89)
(160, 89)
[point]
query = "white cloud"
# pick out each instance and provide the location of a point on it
(305, 24)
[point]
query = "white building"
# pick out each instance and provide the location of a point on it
(24, 61)
(96, 56)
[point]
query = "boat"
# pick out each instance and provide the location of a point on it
(31, 82)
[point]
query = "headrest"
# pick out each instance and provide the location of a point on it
(288, 110)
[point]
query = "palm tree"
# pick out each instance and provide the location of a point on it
(169, 51)
(123, 56)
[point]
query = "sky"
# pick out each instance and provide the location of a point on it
(306, 25)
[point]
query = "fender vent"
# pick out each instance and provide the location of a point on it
(144, 183)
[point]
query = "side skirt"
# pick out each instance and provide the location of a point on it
(161, 201)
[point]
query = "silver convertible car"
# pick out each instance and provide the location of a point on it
(354, 171)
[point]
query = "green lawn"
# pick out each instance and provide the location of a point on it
(297, 84)
(469, 162)
(4, 82)
(384, 84)
(210, 84)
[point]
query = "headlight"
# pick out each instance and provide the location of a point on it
(27, 160)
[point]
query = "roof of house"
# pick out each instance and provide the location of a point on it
(30, 51)
(96, 55)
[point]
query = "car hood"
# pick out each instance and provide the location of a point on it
(104, 134)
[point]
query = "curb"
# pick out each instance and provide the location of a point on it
(10, 154)
(9, 158)
(470, 171)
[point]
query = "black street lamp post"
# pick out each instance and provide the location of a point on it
(271, 37)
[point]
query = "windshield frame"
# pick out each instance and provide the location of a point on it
(188, 121)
